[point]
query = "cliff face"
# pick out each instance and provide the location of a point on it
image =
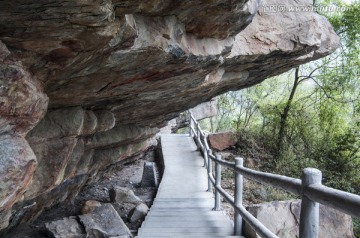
(84, 84)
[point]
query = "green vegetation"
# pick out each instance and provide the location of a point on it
(307, 117)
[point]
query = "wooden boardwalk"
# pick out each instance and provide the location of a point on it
(182, 207)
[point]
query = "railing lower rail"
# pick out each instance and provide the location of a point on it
(310, 189)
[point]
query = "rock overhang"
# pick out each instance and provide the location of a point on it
(140, 63)
(119, 51)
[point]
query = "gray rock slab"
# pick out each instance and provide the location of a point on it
(139, 212)
(104, 221)
(66, 227)
(332, 223)
(122, 195)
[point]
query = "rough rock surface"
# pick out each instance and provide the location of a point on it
(221, 141)
(123, 195)
(104, 221)
(66, 227)
(109, 73)
(332, 223)
(22, 105)
(139, 212)
(99, 221)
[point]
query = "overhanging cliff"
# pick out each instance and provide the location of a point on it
(84, 84)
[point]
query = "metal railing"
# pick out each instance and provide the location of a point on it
(310, 189)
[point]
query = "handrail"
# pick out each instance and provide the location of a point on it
(309, 188)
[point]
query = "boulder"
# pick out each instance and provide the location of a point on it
(17, 166)
(282, 218)
(66, 227)
(60, 123)
(105, 120)
(45, 149)
(22, 105)
(139, 213)
(22, 102)
(90, 123)
(221, 141)
(103, 222)
(122, 195)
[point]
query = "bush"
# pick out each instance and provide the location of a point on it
(339, 160)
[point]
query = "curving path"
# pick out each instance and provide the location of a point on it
(182, 207)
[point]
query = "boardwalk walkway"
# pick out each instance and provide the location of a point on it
(182, 207)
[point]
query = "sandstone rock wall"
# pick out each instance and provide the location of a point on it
(108, 73)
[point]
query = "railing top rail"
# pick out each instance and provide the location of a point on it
(288, 184)
(224, 163)
(343, 201)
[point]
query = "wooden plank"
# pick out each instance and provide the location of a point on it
(182, 207)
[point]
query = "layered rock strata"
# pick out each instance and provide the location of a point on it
(109, 73)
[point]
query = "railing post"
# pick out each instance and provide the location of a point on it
(309, 215)
(197, 129)
(197, 135)
(209, 167)
(239, 162)
(205, 152)
(217, 183)
(190, 126)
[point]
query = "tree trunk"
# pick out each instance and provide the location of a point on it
(285, 114)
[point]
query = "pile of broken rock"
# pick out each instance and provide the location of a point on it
(100, 220)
